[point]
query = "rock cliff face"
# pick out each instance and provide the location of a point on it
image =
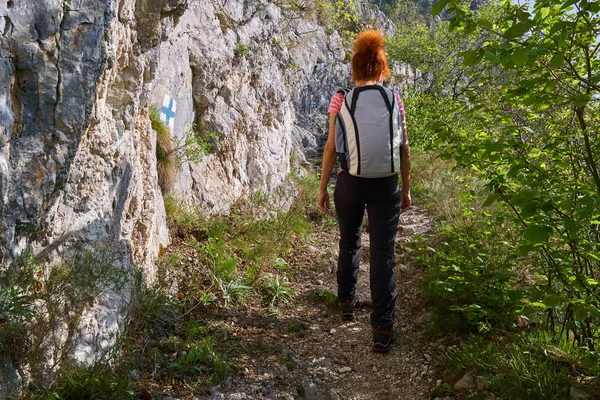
(77, 152)
(257, 77)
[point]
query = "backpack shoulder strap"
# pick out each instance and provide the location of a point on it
(386, 98)
(344, 92)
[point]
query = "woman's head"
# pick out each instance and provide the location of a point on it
(369, 61)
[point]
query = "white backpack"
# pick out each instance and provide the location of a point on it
(368, 132)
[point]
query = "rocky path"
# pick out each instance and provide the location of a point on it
(304, 351)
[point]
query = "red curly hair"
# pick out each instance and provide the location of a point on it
(369, 60)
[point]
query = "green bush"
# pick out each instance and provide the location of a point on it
(36, 305)
(526, 132)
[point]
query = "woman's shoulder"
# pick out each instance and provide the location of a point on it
(335, 105)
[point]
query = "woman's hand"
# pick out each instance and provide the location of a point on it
(405, 201)
(323, 201)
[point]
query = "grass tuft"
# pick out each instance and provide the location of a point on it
(167, 160)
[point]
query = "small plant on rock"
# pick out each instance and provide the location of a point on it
(241, 49)
(172, 152)
(167, 162)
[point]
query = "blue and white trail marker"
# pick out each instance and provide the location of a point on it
(167, 111)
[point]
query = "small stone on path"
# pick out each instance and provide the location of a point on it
(578, 394)
(424, 319)
(482, 382)
(466, 382)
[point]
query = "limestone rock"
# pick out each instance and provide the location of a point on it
(481, 382)
(466, 382)
(424, 319)
(577, 393)
(312, 391)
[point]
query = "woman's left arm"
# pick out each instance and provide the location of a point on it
(328, 163)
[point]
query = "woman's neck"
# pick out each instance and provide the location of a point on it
(366, 82)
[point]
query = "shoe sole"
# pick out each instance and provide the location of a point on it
(382, 347)
(348, 317)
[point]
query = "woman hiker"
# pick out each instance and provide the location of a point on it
(367, 132)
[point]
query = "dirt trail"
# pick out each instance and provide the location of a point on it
(306, 352)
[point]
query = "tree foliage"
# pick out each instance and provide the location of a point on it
(529, 129)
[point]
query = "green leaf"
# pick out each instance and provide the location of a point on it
(557, 61)
(594, 256)
(544, 12)
(535, 234)
(534, 153)
(485, 23)
(529, 210)
(411, 245)
(550, 85)
(490, 199)
(568, 3)
(514, 171)
(557, 27)
(551, 301)
(581, 313)
(582, 100)
(591, 6)
(472, 57)
(438, 7)
(566, 205)
(523, 250)
(520, 58)
(491, 56)
(470, 28)
(517, 30)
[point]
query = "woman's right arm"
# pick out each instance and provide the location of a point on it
(405, 168)
(328, 163)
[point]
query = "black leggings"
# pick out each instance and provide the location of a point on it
(382, 198)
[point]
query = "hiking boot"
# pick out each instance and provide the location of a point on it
(347, 308)
(382, 338)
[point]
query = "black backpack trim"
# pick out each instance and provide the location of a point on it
(390, 107)
(343, 156)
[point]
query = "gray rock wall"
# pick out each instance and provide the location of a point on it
(77, 155)
(258, 77)
(77, 163)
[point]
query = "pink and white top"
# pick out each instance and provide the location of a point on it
(335, 105)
